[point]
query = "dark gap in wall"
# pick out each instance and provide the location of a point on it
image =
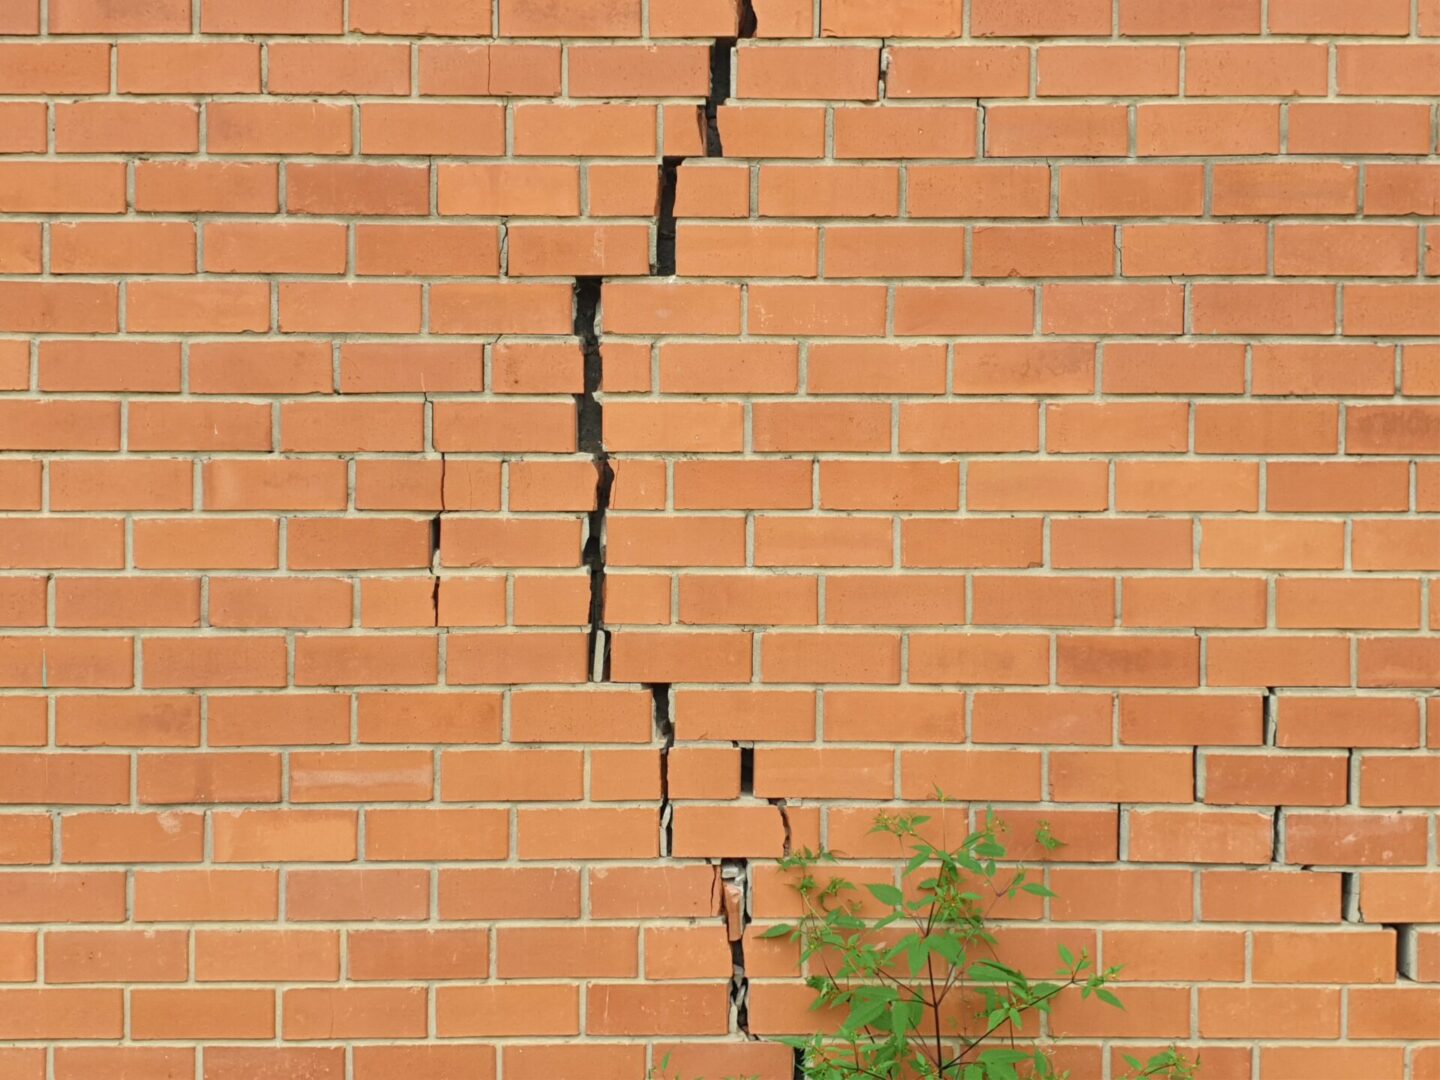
(665, 731)
(1350, 897)
(1277, 836)
(435, 567)
(1406, 951)
(722, 55)
(749, 21)
(784, 809)
(1270, 715)
(665, 227)
(722, 62)
(747, 770)
(587, 316)
(436, 522)
(735, 877)
(590, 438)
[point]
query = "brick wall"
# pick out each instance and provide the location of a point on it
(479, 485)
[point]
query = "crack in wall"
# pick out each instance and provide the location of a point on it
(1350, 897)
(590, 439)
(665, 228)
(736, 909)
(1407, 951)
(730, 894)
(784, 808)
(722, 61)
(436, 529)
(665, 732)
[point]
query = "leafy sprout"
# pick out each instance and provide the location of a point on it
(919, 988)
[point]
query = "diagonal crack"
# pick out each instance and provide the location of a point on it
(722, 61)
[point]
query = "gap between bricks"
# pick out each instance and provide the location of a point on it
(731, 895)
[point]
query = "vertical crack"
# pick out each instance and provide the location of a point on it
(749, 21)
(435, 568)
(722, 55)
(722, 60)
(1277, 836)
(1407, 951)
(590, 437)
(884, 73)
(665, 231)
(1350, 897)
(735, 878)
(1271, 716)
(436, 526)
(665, 732)
(782, 806)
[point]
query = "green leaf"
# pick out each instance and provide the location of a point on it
(1036, 889)
(1067, 957)
(1000, 1054)
(887, 894)
(778, 931)
(1108, 998)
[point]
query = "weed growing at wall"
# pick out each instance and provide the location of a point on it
(915, 977)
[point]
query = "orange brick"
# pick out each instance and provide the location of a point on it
(835, 72)
(267, 955)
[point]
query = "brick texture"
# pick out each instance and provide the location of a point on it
(482, 480)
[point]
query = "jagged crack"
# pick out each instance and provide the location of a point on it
(435, 526)
(590, 438)
(665, 231)
(735, 876)
(784, 809)
(722, 60)
(665, 732)
(749, 22)
(722, 55)
(436, 531)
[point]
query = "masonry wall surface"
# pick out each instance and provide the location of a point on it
(481, 482)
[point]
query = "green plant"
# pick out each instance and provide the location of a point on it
(920, 987)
